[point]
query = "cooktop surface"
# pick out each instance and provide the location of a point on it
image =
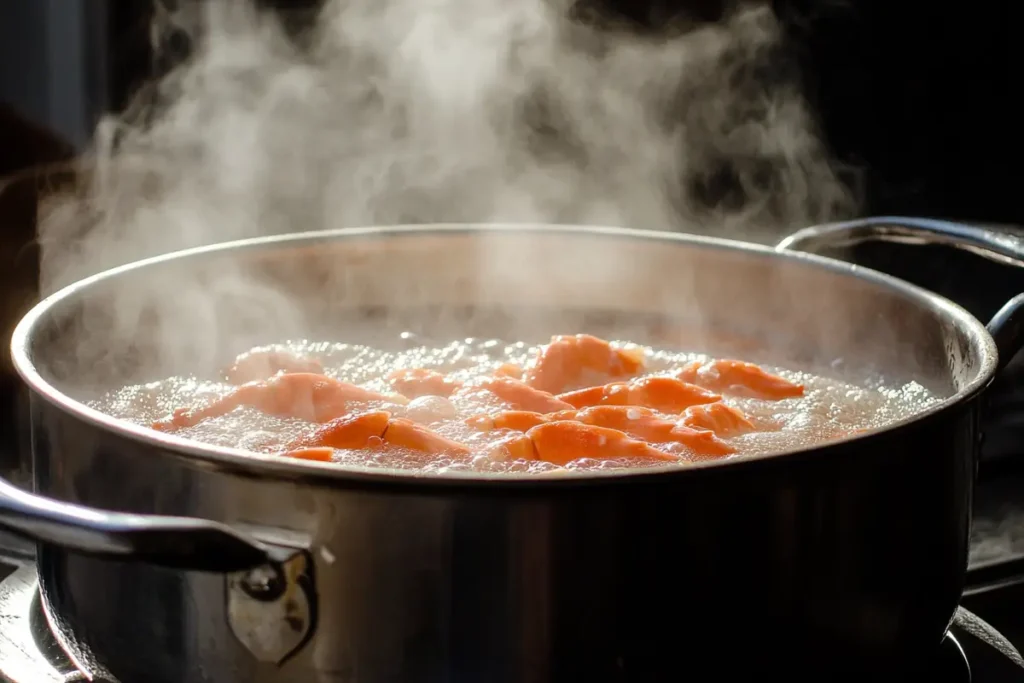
(973, 651)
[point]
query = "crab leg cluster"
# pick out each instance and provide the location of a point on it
(619, 412)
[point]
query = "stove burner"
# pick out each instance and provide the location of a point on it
(29, 652)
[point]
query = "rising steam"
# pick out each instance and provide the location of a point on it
(407, 111)
(411, 111)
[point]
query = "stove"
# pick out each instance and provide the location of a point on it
(973, 651)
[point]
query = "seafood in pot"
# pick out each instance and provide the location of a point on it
(577, 403)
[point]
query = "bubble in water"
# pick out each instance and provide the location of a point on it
(829, 409)
(429, 409)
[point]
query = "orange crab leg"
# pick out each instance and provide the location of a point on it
(520, 396)
(562, 442)
(722, 419)
(316, 453)
(665, 394)
(303, 395)
(348, 432)
(646, 425)
(509, 370)
(642, 423)
(408, 434)
(422, 382)
(514, 447)
(735, 376)
(518, 446)
(516, 420)
(259, 364)
(701, 441)
(359, 431)
(562, 362)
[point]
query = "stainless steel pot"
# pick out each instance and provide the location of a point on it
(221, 566)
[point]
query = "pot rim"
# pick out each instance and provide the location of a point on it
(257, 464)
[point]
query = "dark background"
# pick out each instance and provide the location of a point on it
(921, 97)
(925, 96)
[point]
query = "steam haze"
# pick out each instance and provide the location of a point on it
(416, 111)
(410, 111)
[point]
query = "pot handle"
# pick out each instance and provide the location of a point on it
(171, 542)
(1006, 326)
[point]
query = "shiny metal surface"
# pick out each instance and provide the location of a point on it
(802, 309)
(857, 547)
(971, 651)
(271, 610)
(174, 542)
(1002, 246)
(510, 587)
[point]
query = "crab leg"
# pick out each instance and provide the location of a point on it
(374, 428)
(665, 394)
(639, 423)
(416, 437)
(306, 396)
(422, 382)
(562, 363)
(315, 453)
(719, 418)
(564, 441)
(260, 364)
(519, 395)
(644, 424)
(514, 447)
(348, 432)
(739, 377)
(509, 370)
(515, 420)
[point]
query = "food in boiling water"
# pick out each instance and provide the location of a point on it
(577, 403)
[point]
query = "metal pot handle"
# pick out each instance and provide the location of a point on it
(1006, 326)
(271, 597)
(172, 542)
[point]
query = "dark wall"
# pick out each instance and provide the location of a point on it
(924, 96)
(65, 62)
(47, 70)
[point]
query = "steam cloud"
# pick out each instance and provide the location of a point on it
(416, 111)
(411, 111)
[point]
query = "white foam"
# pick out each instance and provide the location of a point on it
(829, 409)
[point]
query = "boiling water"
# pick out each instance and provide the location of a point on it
(828, 410)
